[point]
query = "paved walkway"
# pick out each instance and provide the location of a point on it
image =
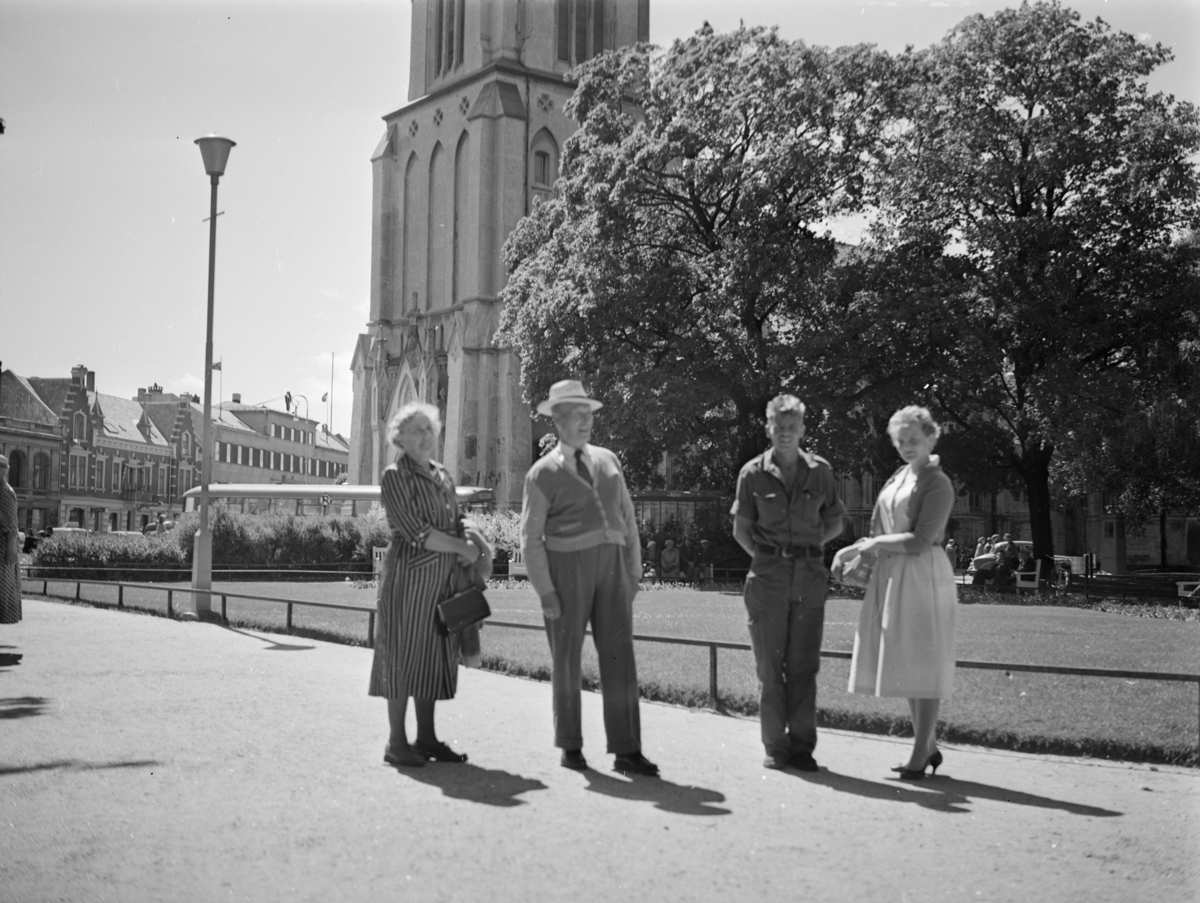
(143, 759)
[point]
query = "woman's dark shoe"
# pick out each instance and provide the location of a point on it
(404, 757)
(573, 759)
(635, 763)
(916, 774)
(438, 752)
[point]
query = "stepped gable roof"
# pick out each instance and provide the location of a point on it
(221, 417)
(122, 419)
(20, 401)
(53, 392)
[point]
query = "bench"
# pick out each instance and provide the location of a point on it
(1029, 579)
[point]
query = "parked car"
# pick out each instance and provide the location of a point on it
(153, 528)
(63, 531)
(986, 562)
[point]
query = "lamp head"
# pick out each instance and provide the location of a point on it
(215, 151)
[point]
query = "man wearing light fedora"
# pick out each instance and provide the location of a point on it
(579, 537)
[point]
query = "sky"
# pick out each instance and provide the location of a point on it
(103, 196)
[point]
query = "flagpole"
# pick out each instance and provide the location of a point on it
(332, 355)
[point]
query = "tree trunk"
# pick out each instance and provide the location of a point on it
(1035, 469)
(1162, 538)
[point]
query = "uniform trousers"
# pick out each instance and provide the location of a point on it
(596, 589)
(785, 605)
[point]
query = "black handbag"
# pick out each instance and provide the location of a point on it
(462, 610)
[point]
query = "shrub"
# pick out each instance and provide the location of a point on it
(101, 556)
(500, 528)
(273, 539)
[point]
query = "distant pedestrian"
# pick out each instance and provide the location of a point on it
(952, 552)
(579, 536)
(981, 547)
(670, 561)
(161, 527)
(412, 656)
(786, 509)
(687, 559)
(904, 645)
(10, 571)
(704, 561)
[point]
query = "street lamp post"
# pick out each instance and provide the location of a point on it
(215, 152)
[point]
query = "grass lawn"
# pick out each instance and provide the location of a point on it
(1111, 717)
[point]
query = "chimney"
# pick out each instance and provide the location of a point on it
(91, 380)
(79, 374)
(237, 397)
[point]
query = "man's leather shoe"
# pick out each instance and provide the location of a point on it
(635, 763)
(803, 761)
(573, 758)
(778, 763)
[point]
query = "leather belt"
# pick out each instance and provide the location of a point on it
(790, 551)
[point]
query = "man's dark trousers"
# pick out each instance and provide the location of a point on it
(785, 603)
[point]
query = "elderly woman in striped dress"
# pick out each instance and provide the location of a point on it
(412, 657)
(10, 574)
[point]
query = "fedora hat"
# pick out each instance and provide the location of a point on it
(567, 391)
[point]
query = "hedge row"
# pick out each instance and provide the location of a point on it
(239, 541)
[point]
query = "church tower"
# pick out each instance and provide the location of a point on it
(456, 169)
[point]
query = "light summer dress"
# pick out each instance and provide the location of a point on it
(905, 640)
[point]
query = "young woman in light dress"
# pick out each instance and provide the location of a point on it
(904, 645)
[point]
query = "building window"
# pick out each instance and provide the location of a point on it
(447, 36)
(186, 445)
(79, 427)
(541, 168)
(580, 29)
(41, 468)
(16, 469)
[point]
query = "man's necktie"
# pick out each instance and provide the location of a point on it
(581, 466)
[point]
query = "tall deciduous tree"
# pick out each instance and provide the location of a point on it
(1051, 182)
(684, 269)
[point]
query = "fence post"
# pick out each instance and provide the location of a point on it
(77, 585)
(120, 595)
(224, 617)
(170, 603)
(371, 630)
(289, 617)
(712, 676)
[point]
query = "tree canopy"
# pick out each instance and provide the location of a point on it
(1051, 186)
(684, 269)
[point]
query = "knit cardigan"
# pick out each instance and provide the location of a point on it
(928, 508)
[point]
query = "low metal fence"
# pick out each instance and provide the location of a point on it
(711, 645)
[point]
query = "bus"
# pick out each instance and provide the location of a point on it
(318, 498)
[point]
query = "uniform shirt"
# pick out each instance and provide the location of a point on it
(779, 520)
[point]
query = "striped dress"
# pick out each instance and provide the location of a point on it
(10, 575)
(412, 658)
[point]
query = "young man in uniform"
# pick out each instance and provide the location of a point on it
(786, 509)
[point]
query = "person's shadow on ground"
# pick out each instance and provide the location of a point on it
(945, 794)
(23, 706)
(665, 795)
(464, 781)
(9, 659)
